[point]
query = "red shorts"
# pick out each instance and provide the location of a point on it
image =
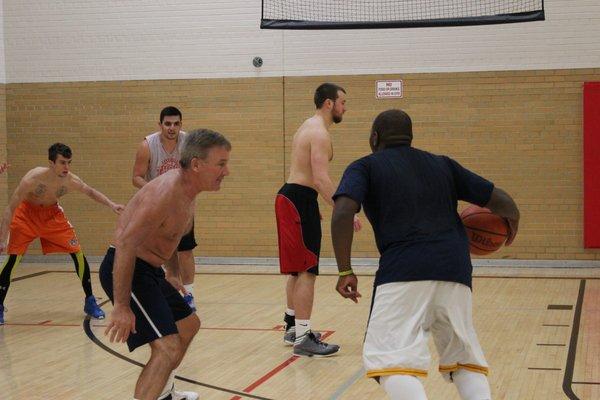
(298, 229)
(31, 221)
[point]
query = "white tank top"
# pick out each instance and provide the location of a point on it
(160, 160)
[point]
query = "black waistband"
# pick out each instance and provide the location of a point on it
(138, 261)
(302, 190)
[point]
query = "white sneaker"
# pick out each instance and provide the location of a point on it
(177, 395)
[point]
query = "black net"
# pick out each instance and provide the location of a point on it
(349, 14)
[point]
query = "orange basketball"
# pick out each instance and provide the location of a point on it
(487, 232)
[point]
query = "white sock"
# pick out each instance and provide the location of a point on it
(471, 385)
(189, 288)
(403, 387)
(290, 312)
(168, 386)
(302, 326)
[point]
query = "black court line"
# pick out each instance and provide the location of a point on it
(570, 366)
(558, 325)
(560, 307)
(20, 278)
(88, 331)
(544, 369)
(585, 383)
(550, 344)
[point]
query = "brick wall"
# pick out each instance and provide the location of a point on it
(521, 129)
(3, 154)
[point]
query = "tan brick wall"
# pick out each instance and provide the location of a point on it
(521, 129)
(3, 155)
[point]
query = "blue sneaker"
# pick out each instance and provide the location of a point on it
(1, 314)
(189, 299)
(92, 309)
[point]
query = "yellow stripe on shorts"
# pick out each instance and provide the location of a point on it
(396, 371)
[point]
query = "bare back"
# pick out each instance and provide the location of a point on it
(156, 218)
(311, 140)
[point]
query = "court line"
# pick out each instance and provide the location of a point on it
(30, 276)
(45, 324)
(544, 369)
(560, 307)
(346, 385)
(97, 342)
(570, 366)
(267, 376)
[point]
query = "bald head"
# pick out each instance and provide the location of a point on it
(391, 127)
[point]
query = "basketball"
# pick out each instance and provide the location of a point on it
(487, 232)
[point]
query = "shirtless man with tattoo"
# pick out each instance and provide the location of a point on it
(33, 212)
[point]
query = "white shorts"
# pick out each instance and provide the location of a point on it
(403, 315)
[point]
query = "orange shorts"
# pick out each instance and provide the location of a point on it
(49, 223)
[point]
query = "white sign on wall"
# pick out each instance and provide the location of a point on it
(388, 89)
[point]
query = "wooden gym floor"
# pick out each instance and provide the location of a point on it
(540, 330)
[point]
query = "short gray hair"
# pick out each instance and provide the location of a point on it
(198, 142)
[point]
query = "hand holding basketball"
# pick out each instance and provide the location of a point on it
(487, 232)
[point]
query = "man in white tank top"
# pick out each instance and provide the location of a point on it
(158, 153)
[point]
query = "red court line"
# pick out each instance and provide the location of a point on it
(275, 370)
(267, 376)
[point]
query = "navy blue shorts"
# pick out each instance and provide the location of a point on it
(154, 301)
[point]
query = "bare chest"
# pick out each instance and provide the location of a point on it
(176, 225)
(44, 193)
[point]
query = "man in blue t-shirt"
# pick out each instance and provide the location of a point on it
(423, 283)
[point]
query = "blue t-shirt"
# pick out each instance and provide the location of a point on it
(410, 198)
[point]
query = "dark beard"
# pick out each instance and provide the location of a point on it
(337, 119)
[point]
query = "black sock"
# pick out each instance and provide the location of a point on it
(289, 320)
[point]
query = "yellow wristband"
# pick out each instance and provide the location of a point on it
(346, 273)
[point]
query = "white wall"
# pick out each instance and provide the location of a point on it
(2, 58)
(73, 40)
